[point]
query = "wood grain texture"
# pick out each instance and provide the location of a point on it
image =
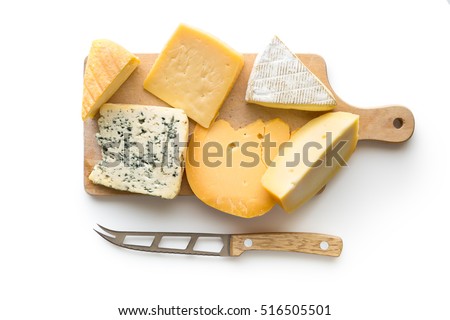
(375, 124)
(287, 241)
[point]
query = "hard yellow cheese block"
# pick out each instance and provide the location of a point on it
(108, 66)
(311, 158)
(195, 72)
(224, 166)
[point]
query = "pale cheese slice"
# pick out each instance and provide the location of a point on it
(279, 79)
(224, 166)
(312, 156)
(194, 72)
(108, 66)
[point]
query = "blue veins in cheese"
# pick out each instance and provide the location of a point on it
(143, 149)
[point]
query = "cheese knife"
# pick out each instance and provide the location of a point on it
(233, 244)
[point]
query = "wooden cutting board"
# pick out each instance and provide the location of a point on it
(390, 124)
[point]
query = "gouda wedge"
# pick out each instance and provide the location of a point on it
(312, 156)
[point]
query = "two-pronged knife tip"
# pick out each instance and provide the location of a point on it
(109, 235)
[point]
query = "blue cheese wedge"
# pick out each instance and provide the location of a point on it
(279, 79)
(143, 149)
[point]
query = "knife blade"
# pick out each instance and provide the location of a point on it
(233, 244)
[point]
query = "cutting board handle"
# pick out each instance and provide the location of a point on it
(304, 242)
(389, 124)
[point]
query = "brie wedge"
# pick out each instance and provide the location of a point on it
(279, 79)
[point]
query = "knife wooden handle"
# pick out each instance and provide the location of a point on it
(314, 243)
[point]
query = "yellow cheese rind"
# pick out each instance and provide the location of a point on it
(108, 66)
(301, 169)
(231, 182)
(194, 72)
(304, 107)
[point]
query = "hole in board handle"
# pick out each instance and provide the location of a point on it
(248, 243)
(398, 123)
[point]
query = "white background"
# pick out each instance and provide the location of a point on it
(390, 205)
